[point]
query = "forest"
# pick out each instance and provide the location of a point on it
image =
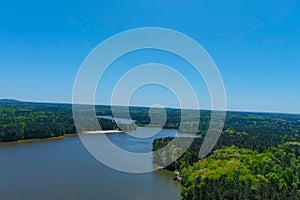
(22, 121)
(27, 120)
(239, 173)
(256, 156)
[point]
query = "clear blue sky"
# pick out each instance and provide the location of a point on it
(254, 43)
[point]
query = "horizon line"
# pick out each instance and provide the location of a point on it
(143, 106)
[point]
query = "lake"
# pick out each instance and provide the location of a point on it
(63, 169)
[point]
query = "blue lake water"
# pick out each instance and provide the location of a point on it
(63, 169)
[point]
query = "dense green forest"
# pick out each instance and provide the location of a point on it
(256, 156)
(232, 172)
(25, 120)
(21, 121)
(238, 173)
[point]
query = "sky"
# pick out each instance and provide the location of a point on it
(255, 45)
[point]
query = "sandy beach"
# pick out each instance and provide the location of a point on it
(102, 132)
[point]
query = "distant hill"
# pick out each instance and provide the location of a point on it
(10, 101)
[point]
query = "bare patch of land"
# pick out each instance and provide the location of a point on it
(102, 132)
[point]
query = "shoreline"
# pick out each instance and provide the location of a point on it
(62, 136)
(102, 132)
(67, 135)
(37, 139)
